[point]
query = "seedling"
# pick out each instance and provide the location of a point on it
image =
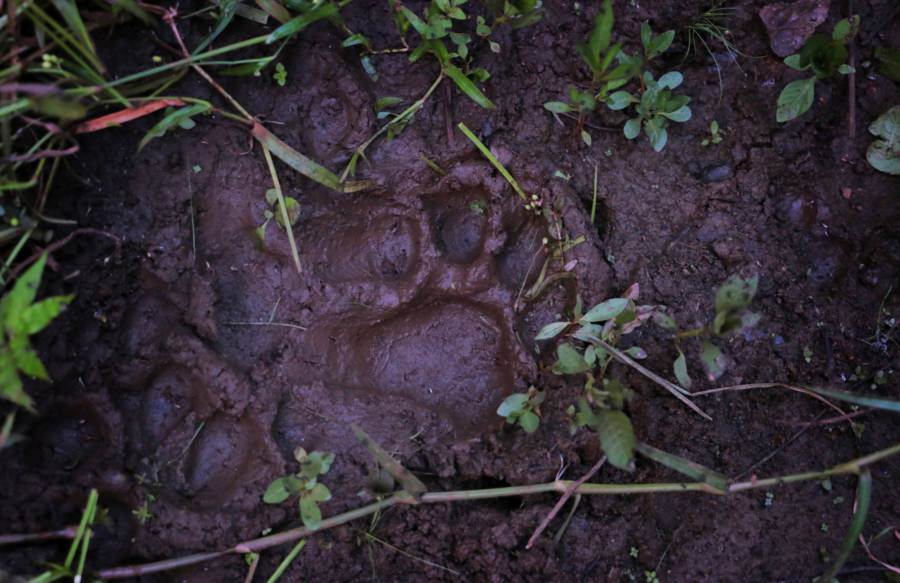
(824, 57)
(523, 408)
(707, 28)
(293, 213)
(20, 317)
(305, 485)
(655, 108)
(280, 75)
(715, 134)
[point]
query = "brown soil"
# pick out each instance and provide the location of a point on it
(413, 327)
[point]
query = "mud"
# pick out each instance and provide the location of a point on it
(188, 372)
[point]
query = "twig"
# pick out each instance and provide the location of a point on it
(67, 533)
(562, 500)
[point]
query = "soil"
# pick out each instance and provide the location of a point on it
(191, 365)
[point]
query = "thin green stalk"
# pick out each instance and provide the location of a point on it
(287, 561)
(863, 497)
(594, 203)
(493, 159)
(288, 225)
(855, 466)
(401, 118)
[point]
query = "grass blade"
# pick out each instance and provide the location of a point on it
(685, 466)
(468, 87)
(863, 497)
(172, 120)
(302, 164)
(300, 22)
(287, 561)
(493, 159)
(878, 403)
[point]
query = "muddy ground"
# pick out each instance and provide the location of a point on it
(167, 392)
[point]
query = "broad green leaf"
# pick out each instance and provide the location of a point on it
(172, 120)
(557, 107)
(529, 421)
(681, 372)
(795, 99)
(293, 211)
(282, 489)
(616, 438)
(661, 44)
(551, 330)
(619, 100)
(598, 42)
(10, 383)
(714, 362)
(605, 311)
(681, 115)
(736, 293)
(58, 106)
(646, 35)
(884, 154)
(319, 493)
(35, 317)
(586, 138)
(657, 134)
(468, 87)
(846, 69)
(841, 29)
(607, 59)
(793, 61)
(310, 513)
(672, 79)
(298, 23)
(664, 320)
(570, 361)
(632, 128)
(315, 464)
(637, 353)
(512, 404)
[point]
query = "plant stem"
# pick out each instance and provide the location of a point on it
(288, 225)
(560, 486)
(493, 159)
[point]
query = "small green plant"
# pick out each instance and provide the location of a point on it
(655, 108)
(654, 99)
(20, 317)
(280, 75)
(715, 134)
(523, 408)
(293, 212)
(890, 62)
(884, 153)
(305, 485)
(824, 57)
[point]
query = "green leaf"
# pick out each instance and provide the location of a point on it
(714, 362)
(846, 69)
(637, 353)
(601, 34)
(680, 115)
(282, 489)
(468, 87)
(657, 134)
(793, 61)
(570, 361)
(841, 29)
(172, 120)
(386, 102)
(736, 293)
(884, 154)
(298, 23)
(293, 210)
(310, 513)
(672, 79)
(319, 493)
(661, 44)
(890, 62)
(616, 438)
(35, 317)
(551, 330)
(557, 107)
(10, 384)
(512, 404)
(795, 99)
(865, 401)
(529, 421)
(646, 35)
(586, 138)
(23, 292)
(664, 320)
(860, 511)
(619, 100)
(605, 311)
(681, 372)
(632, 128)
(26, 358)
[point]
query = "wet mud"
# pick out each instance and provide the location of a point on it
(189, 372)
